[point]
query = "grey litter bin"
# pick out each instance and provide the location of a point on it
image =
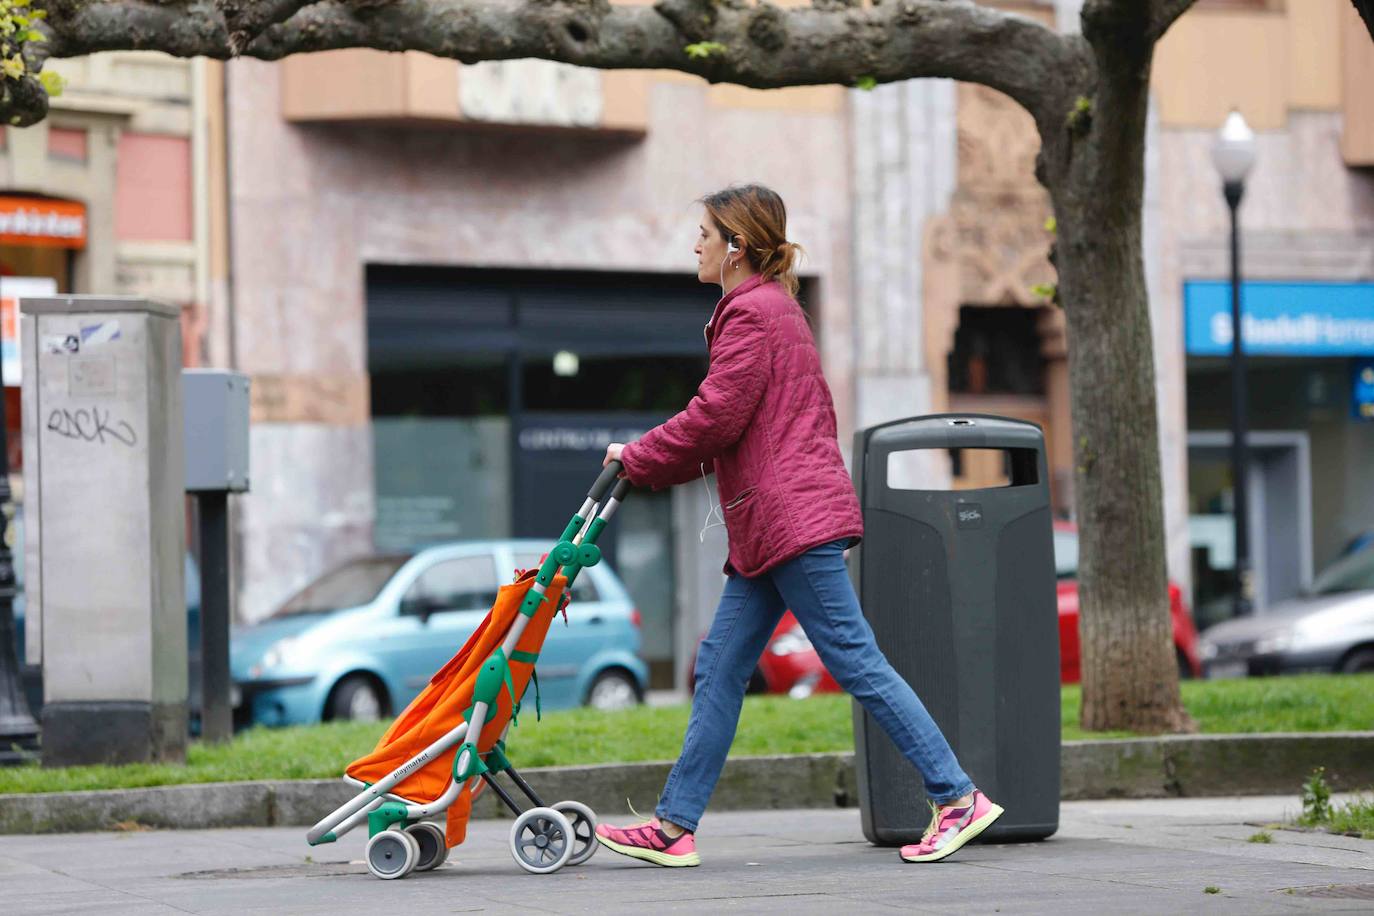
(959, 587)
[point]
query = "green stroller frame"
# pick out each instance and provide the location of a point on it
(402, 835)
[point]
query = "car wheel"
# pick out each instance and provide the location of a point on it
(357, 699)
(613, 690)
(1358, 661)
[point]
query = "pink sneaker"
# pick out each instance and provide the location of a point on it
(647, 841)
(950, 828)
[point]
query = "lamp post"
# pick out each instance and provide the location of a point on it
(1233, 154)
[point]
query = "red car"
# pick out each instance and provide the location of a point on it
(1066, 570)
(790, 663)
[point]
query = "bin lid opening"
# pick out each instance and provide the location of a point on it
(965, 468)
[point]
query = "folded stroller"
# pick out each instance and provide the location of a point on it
(432, 760)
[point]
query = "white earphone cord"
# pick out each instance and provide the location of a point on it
(714, 510)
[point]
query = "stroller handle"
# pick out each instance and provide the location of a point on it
(603, 483)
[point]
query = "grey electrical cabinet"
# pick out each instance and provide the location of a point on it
(959, 587)
(105, 530)
(216, 430)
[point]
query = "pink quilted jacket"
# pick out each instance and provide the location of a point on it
(765, 417)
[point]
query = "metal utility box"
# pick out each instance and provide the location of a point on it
(216, 430)
(106, 526)
(216, 434)
(959, 587)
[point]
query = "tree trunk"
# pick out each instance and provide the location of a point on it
(1093, 165)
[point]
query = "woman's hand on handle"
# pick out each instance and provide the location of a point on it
(613, 454)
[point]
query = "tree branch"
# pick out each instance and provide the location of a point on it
(1119, 22)
(1166, 14)
(246, 19)
(764, 46)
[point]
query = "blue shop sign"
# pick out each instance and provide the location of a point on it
(1362, 400)
(1281, 319)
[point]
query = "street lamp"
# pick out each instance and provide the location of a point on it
(1233, 154)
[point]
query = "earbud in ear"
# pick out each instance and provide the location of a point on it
(731, 248)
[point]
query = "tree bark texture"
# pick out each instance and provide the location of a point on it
(1088, 95)
(1093, 164)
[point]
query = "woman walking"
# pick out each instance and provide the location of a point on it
(765, 419)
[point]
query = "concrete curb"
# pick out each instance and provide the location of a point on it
(1212, 765)
(1134, 768)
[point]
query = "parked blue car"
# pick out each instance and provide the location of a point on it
(361, 641)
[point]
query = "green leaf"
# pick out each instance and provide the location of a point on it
(35, 36)
(53, 83)
(1051, 225)
(866, 83)
(704, 49)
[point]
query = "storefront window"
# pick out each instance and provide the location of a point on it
(567, 380)
(441, 452)
(997, 351)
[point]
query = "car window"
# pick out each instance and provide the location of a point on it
(1065, 554)
(462, 584)
(583, 590)
(349, 585)
(1351, 573)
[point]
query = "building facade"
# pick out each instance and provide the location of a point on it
(107, 196)
(953, 179)
(453, 285)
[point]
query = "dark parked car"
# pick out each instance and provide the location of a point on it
(1329, 629)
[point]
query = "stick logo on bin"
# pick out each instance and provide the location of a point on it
(970, 515)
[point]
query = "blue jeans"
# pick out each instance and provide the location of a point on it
(816, 587)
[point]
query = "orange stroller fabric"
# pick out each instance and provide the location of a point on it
(440, 706)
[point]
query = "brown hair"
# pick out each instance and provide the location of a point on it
(758, 215)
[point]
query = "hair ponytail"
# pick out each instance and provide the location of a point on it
(784, 267)
(758, 215)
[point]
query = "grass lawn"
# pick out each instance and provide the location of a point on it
(769, 725)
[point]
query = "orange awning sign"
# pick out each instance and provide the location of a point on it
(36, 221)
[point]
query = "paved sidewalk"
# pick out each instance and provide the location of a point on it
(1117, 856)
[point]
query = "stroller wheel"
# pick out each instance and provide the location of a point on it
(541, 840)
(433, 847)
(392, 854)
(583, 822)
